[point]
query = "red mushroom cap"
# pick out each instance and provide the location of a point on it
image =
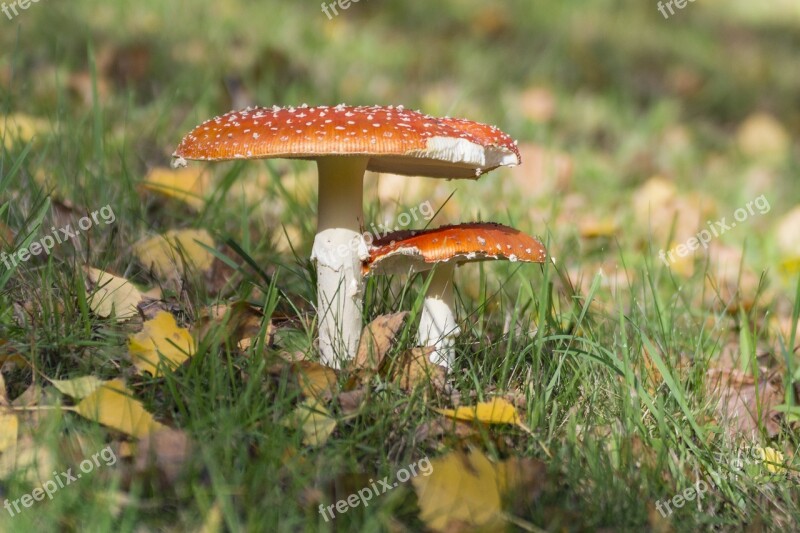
(398, 140)
(420, 250)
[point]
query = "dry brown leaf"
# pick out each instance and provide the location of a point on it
(350, 401)
(415, 368)
(113, 405)
(737, 405)
(189, 185)
(551, 170)
(239, 322)
(8, 356)
(126, 450)
(537, 104)
(671, 220)
(3, 391)
(165, 450)
(12, 359)
(525, 477)
(315, 380)
(376, 341)
(439, 427)
(651, 375)
(685, 80)
(129, 65)
(161, 341)
(784, 326)
(654, 379)
(150, 307)
(82, 84)
(730, 284)
(492, 21)
(7, 236)
(657, 521)
(112, 295)
(31, 396)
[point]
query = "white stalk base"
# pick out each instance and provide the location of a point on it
(437, 325)
(338, 254)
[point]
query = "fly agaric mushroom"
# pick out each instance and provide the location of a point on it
(345, 141)
(440, 250)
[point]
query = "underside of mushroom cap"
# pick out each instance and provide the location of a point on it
(419, 250)
(396, 140)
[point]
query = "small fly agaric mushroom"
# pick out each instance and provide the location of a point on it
(440, 250)
(345, 141)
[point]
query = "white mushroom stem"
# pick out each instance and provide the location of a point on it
(437, 325)
(338, 251)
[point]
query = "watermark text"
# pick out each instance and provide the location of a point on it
(715, 229)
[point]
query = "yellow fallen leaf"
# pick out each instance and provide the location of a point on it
(772, 458)
(463, 489)
(791, 267)
(113, 405)
(78, 388)
(495, 411)
(315, 420)
(161, 340)
(21, 128)
(9, 428)
(8, 355)
(189, 185)
(170, 255)
(651, 196)
(762, 136)
(31, 460)
(212, 523)
(788, 239)
(315, 380)
(592, 227)
(14, 358)
(113, 295)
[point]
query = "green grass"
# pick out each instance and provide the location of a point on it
(614, 382)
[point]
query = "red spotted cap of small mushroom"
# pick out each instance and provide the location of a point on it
(420, 250)
(396, 140)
